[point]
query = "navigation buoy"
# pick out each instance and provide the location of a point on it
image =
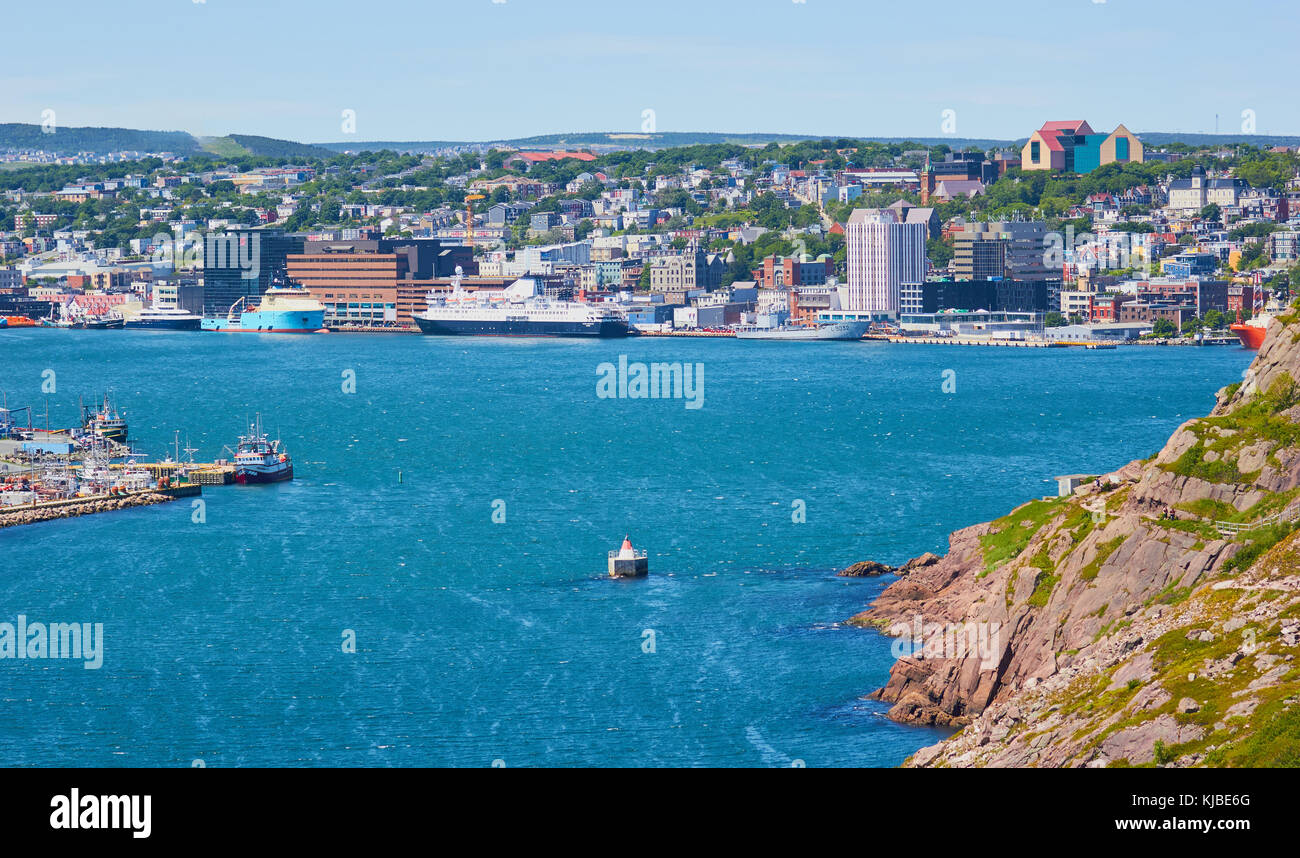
(627, 562)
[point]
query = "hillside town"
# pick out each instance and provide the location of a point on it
(1074, 235)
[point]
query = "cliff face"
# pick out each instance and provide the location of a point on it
(1115, 625)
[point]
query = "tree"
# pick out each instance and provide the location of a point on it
(1163, 328)
(1211, 212)
(1055, 320)
(1191, 326)
(1214, 320)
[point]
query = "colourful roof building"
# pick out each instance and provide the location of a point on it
(1073, 147)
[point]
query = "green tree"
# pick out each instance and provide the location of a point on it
(1211, 212)
(1054, 320)
(1163, 328)
(1214, 320)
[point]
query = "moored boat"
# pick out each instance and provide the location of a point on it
(105, 422)
(165, 319)
(518, 311)
(282, 310)
(259, 459)
(830, 331)
(1253, 331)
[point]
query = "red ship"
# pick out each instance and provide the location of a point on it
(1252, 332)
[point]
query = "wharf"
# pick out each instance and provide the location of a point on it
(715, 334)
(201, 473)
(73, 507)
(989, 342)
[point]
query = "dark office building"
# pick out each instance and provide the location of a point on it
(1009, 296)
(243, 264)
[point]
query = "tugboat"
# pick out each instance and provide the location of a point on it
(259, 460)
(106, 422)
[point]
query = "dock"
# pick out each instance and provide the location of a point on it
(989, 342)
(12, 516)
(696, 334)
(203, 473)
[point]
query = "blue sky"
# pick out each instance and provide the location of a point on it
(482, 70)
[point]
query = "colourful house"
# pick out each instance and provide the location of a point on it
(1073, 147)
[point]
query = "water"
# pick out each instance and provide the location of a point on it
(480, 641)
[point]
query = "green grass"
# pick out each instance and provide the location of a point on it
(1273, 743)
(224, 147)
(1104, 551)
(1260, 542)
(1044, 583)
(1011, 534)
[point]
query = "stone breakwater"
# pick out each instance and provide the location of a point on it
(73, 508)
(1132, 629)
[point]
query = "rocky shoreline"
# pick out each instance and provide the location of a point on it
(1122, 620)
(72, 509)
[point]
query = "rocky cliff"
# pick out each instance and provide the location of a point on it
(1151, 617)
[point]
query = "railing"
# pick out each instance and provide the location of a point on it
(1233, 528)
(636, 555)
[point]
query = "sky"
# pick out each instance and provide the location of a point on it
(485, 70)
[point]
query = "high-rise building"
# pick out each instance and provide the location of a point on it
(243, 263)
(1013, 249)
(886, 263)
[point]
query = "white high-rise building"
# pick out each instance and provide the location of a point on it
(886, 263)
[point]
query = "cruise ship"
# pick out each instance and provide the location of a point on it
(282, 310)
(165, 319)
(518, 311)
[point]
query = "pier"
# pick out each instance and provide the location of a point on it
(989, 342)
(12, 516)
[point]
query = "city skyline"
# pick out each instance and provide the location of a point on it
(483, 71)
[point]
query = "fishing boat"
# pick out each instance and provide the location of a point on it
(104, 422)
(98, 323)
(259, 459)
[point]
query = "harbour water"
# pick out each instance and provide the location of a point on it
(455, 513)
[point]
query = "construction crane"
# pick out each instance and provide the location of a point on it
(470, 199)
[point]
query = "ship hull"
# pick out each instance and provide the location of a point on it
(258, 322)
(164, 324)
(1251, 337)
(520, 328)
(833, 331)
(246, 476)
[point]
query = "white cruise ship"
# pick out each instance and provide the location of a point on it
(520, 310)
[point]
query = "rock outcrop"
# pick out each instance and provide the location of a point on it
(1082, 630)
